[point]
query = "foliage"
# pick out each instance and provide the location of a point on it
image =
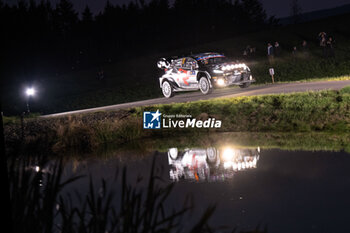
(40, 202)
(133, 77)
(323, 111)
(345, 90)
(59, 36)
(297, 112)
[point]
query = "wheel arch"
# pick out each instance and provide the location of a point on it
(207, 75)
(203, 73)
(170, 81)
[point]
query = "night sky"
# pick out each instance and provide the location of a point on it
(279, 8)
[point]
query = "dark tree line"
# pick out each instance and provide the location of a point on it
(51, 38)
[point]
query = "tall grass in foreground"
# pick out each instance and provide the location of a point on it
(38, 205)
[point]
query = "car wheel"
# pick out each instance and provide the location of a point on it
(211, 154)
(167, 90)
(204, 85)
(244, 85)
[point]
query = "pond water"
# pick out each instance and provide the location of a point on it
(284, 191)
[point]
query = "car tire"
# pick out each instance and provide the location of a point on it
(211, 154)
(204, 85)
(167, 90)
(244, 85)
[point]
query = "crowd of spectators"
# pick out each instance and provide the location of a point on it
(249, 51)
(326, 43)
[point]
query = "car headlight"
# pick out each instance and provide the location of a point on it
(221, 82)
(218, 71)
(228, 154)
(243, 66)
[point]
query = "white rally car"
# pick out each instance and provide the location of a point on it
(202, 72)
(210, 164)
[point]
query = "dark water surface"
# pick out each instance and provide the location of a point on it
(287, 191)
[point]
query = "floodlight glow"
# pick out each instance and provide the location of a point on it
(30, 91)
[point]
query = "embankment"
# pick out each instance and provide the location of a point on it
(323, 111)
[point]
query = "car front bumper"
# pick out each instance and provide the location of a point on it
(232, 79)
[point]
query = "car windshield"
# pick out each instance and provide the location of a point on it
(213, 60)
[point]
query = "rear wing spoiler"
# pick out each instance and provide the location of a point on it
(164, 63)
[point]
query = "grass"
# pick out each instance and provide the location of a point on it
(339, 78)
(39, 205)
(345, 90)
(137, 78)
(313, 141)
(40, 202)
(322, 111)
(17, 119)
(298, 112)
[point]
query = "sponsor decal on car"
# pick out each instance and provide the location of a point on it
(209, 56)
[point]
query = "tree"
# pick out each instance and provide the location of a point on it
(87, 15)
(254, 10)
(296, 11)
(65, 15)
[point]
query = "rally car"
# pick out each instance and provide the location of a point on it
(210, 164)
(202, 71)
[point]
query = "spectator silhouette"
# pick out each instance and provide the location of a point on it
(100, 74)
(252, 50)
(270, 52)
(277, 49)
(248, 51)
(330, 48)
(322, 37)
(304, 46)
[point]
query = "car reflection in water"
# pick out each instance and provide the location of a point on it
(210, 164)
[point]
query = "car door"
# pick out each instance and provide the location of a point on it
(185, 73)
(191, 67)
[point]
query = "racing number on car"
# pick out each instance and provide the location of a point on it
(185, 80)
